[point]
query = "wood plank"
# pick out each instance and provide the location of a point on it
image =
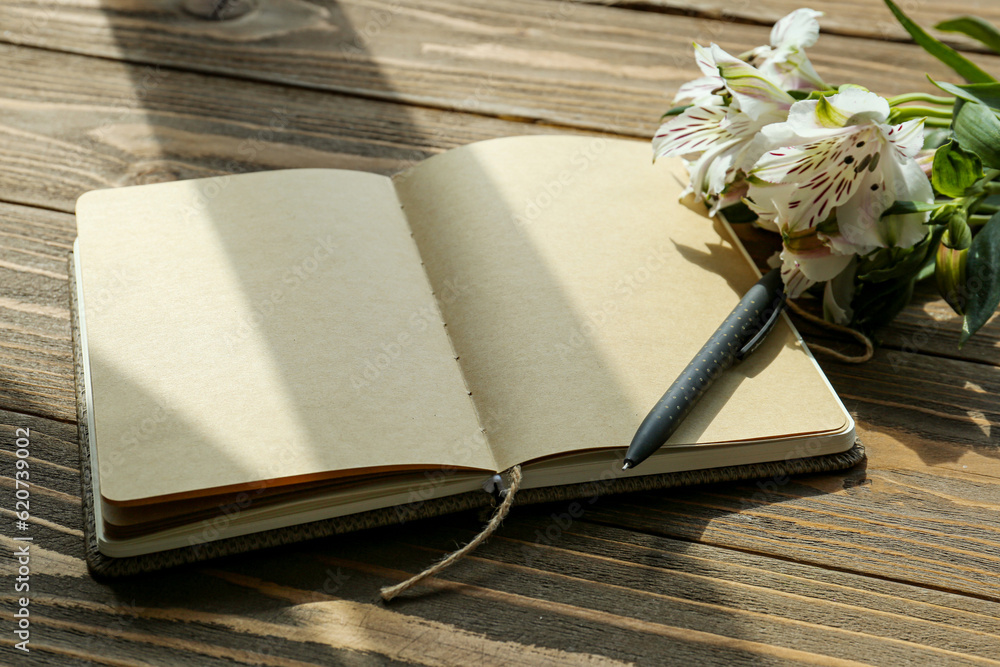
(947, 402)
(925, 511)
(133, 124)
(922, 511)
(572, 591)
(199, 616)
(302, 596)
(36, 364)
(583, 66)
(548, 589)
(930, 326)
(593, 594)
(841, 16)
(653, 594)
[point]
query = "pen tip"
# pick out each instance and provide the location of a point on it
(628, 464)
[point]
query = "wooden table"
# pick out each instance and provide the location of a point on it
(896, 562)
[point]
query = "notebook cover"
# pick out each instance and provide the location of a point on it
(101, 565)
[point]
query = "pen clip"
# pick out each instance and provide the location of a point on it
(758, 338)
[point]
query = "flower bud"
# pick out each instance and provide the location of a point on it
(958, 236)
(949, 272)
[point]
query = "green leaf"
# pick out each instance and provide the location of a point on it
(978, 130)
(984, 93)
(905, 207)
(987, 93)
(905, 262)
(876, 304)
(738, 213)
(926, 272)
(982, 282)
(936, 137)
(955, 170)
(964, 67)
(676, 111)
(974, 27)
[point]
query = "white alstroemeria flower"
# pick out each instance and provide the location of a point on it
(706, 90)
(839, 153)
(785, 61)
(838, 294)
(806, 254)
(712, 137)
(830, 171)
(757, 95)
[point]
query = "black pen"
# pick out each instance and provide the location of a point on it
(741, 333)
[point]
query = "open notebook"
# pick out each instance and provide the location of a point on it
(265, 350)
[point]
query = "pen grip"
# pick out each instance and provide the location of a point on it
(752, 314)
(715, 357)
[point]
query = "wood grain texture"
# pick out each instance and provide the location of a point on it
(917, 527)
(585, 66)
(36, 362)
(554, 587)
(134, 124)
(718, 592)
(842, 17)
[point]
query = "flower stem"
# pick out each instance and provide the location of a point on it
(979, 220)
(920, 97)
(905, 113)
(937, 122)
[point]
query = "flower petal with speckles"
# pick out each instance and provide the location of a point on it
(693, 131)
(826, 172)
